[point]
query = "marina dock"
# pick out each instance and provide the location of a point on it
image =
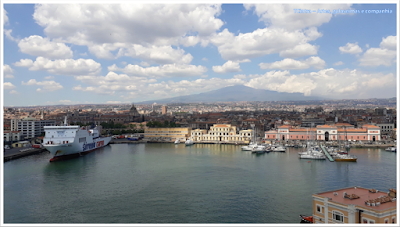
(327, 154)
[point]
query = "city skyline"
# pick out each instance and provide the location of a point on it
(76, 54)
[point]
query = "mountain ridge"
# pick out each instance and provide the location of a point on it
(236, 93)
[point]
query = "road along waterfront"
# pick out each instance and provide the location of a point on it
(167, 183)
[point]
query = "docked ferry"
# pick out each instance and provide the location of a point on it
(70, 141)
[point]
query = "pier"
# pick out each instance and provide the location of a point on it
(327, 154)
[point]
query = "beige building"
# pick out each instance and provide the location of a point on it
(197, 134)
(11, 136)
(222, 133)
(164, 110)
(167, 133)
(355, 205)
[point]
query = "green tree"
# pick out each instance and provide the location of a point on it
(116, 132)
(166, 123)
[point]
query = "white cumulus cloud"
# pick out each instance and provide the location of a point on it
(5, 17)
(38, 46)
(156, 24)
(168, 70)
(229, 66)
(285, 16)
(384, 55)
(8, 71)
(47, 85)
(389, 43)
(265, 41)
(291, 64)
(69, 67)
(8, 85)
(350, 48)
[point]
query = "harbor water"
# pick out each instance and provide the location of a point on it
(167, 183)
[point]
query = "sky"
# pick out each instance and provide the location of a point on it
(128, 53)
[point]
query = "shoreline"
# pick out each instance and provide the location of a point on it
(32, 151)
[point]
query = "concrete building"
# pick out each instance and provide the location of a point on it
(167, 133)
(386, 128)
(312, 122)
(355, 205)
(164, 110)
(11, 136)
(31, 127)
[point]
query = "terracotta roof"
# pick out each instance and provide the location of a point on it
(302, 129)
(343, 124)
(370, 126)
(363, 194)
(353, 130)
(284, 126)
(325, 126)
(220, 126)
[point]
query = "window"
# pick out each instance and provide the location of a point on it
(393, 220)
(319, 209)
(337, 216)
(386, 220)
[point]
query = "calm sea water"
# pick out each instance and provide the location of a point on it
(167, 183)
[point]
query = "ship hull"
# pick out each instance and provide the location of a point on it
(67, 151)
(345, 160)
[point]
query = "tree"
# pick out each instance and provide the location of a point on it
(141, 126)
(166, 123)
(116, 132)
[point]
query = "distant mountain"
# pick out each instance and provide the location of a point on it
(234, 94)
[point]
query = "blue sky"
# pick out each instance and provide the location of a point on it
(99, 53)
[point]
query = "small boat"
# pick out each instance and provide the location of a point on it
(258, 150)
(278, 148)
(345, 158)
(177, 141)
(306, 219)
(392, 149)
(189, 142)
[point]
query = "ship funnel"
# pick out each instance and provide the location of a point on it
(65, 121)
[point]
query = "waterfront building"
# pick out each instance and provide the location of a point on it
(31, 127)
(11, 136)
(167, 133)
(197, 134)
(223, 133)
(355, 205)
(337, 132)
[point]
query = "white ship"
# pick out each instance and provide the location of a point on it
(69, 141)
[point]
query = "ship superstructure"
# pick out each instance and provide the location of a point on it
(72, 140)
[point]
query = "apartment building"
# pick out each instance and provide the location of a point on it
(355, 205)
(31, 127)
